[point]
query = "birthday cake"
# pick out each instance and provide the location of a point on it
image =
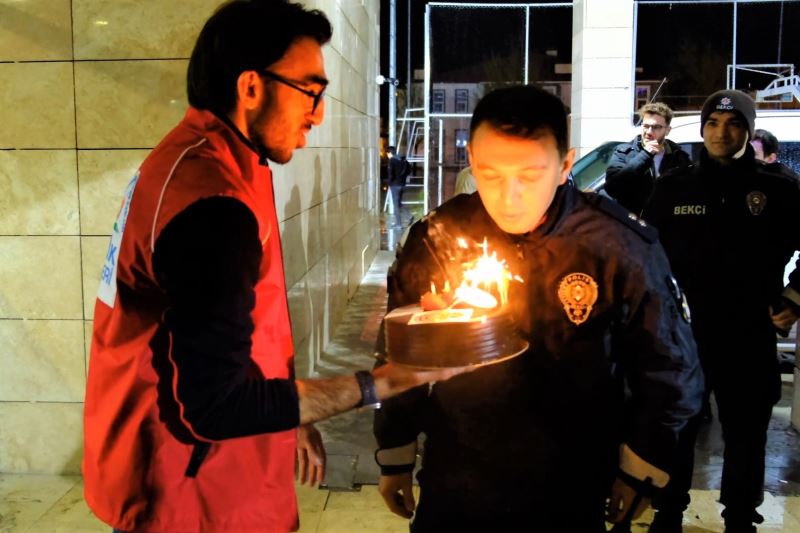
(450, 337)
(472, 325)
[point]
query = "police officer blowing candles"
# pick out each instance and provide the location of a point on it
(549, 439)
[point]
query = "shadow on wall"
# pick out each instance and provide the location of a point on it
(306, 244)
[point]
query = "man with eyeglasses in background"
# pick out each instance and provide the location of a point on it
(635, 166)
(193, 418)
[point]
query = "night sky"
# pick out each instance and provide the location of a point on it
(688, 44)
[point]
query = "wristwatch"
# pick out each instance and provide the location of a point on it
(369, 399)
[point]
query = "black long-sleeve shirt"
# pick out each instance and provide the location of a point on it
(207, 260)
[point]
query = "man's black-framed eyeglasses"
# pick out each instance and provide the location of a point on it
(316, 97)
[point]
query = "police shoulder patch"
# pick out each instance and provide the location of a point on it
(618, 212)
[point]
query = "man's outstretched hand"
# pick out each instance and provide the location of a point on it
(392, 379)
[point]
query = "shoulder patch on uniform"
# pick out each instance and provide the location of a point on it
(617, 211)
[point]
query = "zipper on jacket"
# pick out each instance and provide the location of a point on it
(199, 453)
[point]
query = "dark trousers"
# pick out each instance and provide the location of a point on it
(397, 197)
(744, 413)
(437, 513)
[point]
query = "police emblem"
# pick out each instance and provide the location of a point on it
(578, 293)
(756, 200)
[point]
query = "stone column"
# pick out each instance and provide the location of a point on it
(603, 50)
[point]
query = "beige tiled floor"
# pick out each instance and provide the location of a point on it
(54, 504)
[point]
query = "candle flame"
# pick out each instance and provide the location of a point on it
(481, 276)
(476, 297)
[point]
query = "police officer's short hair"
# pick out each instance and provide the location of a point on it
(769, 142)
(246, 35)
(523, 111)
(656, 108)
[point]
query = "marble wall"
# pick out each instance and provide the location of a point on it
(87, 87)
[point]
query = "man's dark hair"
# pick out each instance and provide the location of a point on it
(245, 35)
(523, 111)
(768, 141)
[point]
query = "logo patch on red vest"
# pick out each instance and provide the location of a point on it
(107, 293)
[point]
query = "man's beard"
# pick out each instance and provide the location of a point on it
(256, 136)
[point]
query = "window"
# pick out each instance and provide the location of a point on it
(434, 140)
(437, 105)
(462, 100)
(461, 136)
(642, 95)
(589, 169)
(789, 155)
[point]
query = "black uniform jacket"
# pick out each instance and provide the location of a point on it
(546, 427)
(630, 176)
(729, 233)
(777, 167)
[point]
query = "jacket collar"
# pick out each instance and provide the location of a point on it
(208, 118)
(745, 163)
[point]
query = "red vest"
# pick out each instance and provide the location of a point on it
(134, 468)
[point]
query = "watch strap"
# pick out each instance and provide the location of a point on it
(366, 383)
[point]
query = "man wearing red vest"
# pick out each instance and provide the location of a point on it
(192, 410)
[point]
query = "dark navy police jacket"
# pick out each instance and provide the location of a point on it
(544, 430)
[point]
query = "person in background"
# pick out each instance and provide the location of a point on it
(766, 147)
(729, 226)
(193, 418)
(635, 166)
(547, 437)
(465, 182)
(398, 171)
